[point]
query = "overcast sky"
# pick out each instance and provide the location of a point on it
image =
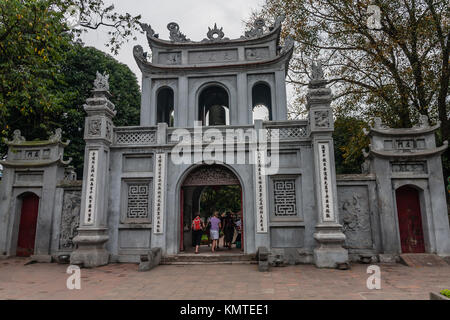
(193, 16)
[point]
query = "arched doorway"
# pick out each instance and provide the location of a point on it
(410, 220)
(27, 226)
(206, 179)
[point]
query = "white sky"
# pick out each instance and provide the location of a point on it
(193, 16)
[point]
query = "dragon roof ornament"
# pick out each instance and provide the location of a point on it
(175, 34)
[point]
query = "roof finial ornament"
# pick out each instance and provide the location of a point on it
(423, 122)
(257, 30)
(215, 34)
(17, 137)
(317, 71)
(148, 29)
(101, 82)
(175, 34)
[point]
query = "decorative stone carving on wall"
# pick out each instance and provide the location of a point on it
(138, 201)
(257, 53)
(175, 34)
(94, 127)
(172, 58)
(70, 219)
(354, 216)
(211, 176)
(141, 137)
(109, 130)
(409, 166)
(213, 56)
(322, 119)
(284, 196)
(289, 133)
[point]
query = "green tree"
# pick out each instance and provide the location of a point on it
(45, 77)
(349, 141)
(222, 199)
(79, 71)
(397, 71)
(31, 42)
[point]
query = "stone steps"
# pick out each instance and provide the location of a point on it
(209, 258)
(422, 260)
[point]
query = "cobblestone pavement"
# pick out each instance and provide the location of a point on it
(196, 282)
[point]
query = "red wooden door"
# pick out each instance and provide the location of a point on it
(27, 227)
(181, 219)
(410, 220)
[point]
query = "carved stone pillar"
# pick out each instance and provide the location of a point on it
(329, 236)
(98, 134)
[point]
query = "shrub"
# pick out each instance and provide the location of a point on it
(445, 292)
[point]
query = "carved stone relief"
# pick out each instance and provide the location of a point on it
(322, 119)
(172, 58)
(354, 216)
(210, 176)
(213, 56)
(94, 127)
(70, 219)
(257, 53)
(285, 199)
(414, 167)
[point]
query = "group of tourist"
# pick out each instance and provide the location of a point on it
(228, 223)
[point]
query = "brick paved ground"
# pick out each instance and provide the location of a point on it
(123, 281)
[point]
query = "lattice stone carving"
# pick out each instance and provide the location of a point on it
(290, 133)
(284, 197)
(136, 137)
(137, 207)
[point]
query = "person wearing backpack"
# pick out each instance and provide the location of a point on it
(197, 230)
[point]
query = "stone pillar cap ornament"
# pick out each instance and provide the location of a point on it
(101, 83)
(318, 93)
(101, 96)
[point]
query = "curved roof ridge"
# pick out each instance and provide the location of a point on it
(215, 36)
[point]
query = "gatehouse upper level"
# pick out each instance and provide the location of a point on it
(218, 81)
